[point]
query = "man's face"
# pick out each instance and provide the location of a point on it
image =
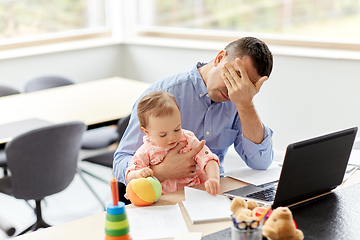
(215, 84)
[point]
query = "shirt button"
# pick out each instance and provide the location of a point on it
(200, 95)
(207, 133)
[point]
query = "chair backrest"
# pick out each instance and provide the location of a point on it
(44, 161)
(122, 125)
(5, 91)
(45, 82)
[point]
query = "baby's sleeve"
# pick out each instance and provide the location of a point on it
(204, 155)
(139, 161)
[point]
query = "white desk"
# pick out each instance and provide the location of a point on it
(94, 103)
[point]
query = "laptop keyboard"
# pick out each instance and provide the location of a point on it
(266, 194)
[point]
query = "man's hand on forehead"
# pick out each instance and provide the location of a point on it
(241, 89)
(238, 73)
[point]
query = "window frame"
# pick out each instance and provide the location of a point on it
(54, 38)
(125, 29)
(114, 9)
(228, 36)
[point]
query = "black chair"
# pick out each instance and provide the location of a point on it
(42, 162)
(92, 139)
(98, 138)
(6, 227)
(3, 162)
(5, 91)
(104, 159)
(45, 82)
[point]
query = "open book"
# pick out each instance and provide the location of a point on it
(203, 207)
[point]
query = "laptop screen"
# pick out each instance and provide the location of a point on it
(314, 166)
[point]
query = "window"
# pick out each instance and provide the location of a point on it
(313, 21)
(44, 20)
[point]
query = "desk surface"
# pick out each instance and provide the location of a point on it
(92, 227)
(92, 102)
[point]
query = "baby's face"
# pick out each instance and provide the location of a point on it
(166, 131)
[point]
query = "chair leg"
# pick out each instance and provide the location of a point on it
(40, 223)
(79, 171)
(122, 191)
(94, 176)
(6, 173)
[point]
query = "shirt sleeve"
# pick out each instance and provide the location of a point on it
(256, 156)
(130, 142)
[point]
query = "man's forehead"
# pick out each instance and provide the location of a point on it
(250, 69)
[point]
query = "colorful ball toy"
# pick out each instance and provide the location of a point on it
(143, 191)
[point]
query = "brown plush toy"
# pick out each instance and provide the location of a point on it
(280, 226)
(242, 210)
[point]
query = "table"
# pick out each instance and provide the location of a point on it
(92, 227)
(96, 103)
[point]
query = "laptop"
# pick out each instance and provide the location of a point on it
(311, 168)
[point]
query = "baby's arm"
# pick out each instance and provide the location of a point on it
(139, 166)
(212, 185)
(142, 173)
(207, 161)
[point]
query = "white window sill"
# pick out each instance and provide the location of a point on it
(172, 43)
(218, 45)
(57, 47)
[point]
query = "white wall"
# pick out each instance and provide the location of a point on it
(80, 65)
(152, 63)
(304, 97)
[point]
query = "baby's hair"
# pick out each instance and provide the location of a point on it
(156, 104)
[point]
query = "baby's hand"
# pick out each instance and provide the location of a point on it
(212, 186)
(145, 172)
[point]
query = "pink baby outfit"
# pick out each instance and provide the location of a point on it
(151, 154)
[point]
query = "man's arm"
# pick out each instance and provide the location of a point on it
(256, 143)
(241, 92)
(130, 142)
(256, 156)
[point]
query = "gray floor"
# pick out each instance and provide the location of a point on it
(74, 202)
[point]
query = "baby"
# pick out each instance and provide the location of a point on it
(160, 120)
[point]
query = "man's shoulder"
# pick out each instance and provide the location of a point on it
(180, 79)
(175, 80)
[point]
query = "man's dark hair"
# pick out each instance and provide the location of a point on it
(256, 49)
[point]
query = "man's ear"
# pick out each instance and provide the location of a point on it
(145, 130)
(220, 56)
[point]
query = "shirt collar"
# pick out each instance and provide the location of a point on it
(199, 83)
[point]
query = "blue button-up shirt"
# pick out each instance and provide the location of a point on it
(217, 123)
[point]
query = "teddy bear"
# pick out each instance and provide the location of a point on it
(243, 210)
(280, 226)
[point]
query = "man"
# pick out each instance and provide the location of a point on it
(215, 100)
